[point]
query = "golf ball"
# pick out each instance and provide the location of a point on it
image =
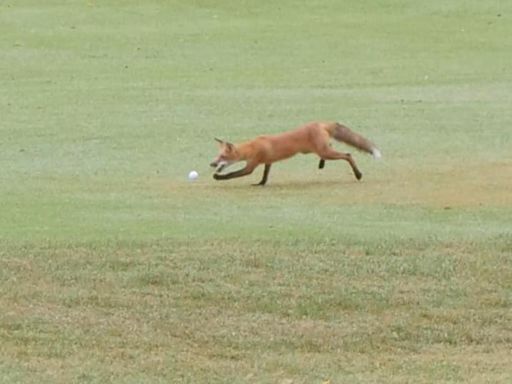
(193, 175)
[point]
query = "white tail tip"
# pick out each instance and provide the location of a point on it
(376, 154)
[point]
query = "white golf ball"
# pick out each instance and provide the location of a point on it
(193, 175)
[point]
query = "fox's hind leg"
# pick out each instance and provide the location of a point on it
(321, 163)
(330, 154)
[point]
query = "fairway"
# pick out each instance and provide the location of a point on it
(114, 267)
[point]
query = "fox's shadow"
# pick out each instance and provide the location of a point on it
(290, 185)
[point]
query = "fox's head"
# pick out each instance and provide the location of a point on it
(228, 155)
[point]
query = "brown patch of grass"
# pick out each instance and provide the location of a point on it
(448, 186)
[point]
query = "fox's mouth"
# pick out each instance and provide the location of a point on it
(219, 166)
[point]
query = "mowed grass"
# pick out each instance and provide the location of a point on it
(115, 268)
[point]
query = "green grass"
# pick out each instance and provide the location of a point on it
(115, 268)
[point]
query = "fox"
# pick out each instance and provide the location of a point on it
(314, 137)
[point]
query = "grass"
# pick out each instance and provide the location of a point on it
(115, 268)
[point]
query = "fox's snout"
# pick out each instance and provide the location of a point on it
(219, 165)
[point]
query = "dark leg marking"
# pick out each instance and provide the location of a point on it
(265, 175)
(242, 172)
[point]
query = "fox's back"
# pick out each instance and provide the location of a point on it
(304, 139)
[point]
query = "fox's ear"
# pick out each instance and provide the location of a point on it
(219, 140)
(229, 146)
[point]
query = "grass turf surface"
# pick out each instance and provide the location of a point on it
(114, 268)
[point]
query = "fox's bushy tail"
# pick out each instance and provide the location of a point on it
(348, 136)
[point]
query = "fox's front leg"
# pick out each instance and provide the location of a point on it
(265, 175)
(249, 168)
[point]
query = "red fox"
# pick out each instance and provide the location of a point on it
(312, 137)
